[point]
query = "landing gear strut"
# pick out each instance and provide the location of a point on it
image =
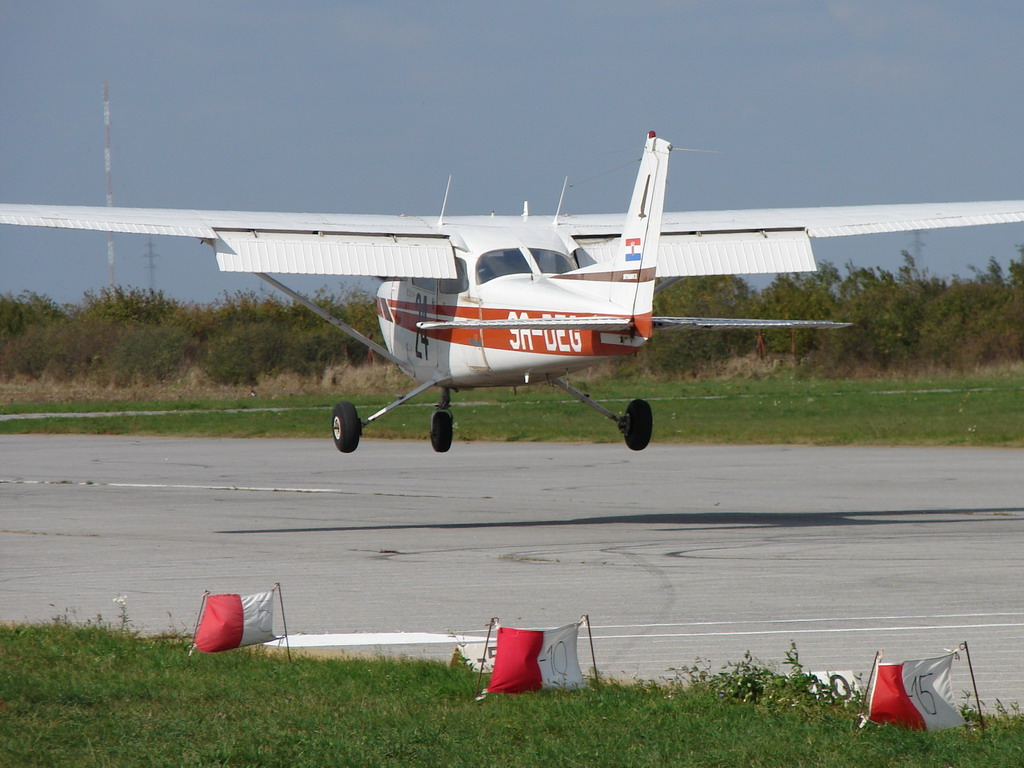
(635, 425)
(347, 427)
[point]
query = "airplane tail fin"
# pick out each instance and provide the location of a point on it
(628, 280)
(642, 231)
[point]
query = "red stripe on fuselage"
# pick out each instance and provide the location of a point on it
(567, 342)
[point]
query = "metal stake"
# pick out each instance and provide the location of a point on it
(487, 643)
(192, 647)
(865, 716)
(280, 599)
(593, 658)
(967, 652)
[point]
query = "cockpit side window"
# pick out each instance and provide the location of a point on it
(552, 262)
(508, 261)
(457, 284)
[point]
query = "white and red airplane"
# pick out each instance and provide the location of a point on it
(480, 301)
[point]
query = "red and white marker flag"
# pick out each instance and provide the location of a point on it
(528, 660)
(233, 621)
(915, 694)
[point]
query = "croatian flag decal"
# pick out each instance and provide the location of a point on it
(633, 243)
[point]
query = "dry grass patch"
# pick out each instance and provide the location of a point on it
(355, 380)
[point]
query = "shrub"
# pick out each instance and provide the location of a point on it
(243, 353)
(801, 296)
(689, 350)
(129, 306)
(754, 682)
(314, 352)
(27, 354)
(148, 354)
(63, 350)
(26, 310)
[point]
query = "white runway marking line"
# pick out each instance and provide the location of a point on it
(428, 638)
(846, 630)
(816, 619)
(817, 630)
(354, 639)
(172, 486)
(105, 414)
(598, 629)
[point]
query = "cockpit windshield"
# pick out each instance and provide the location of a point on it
(508, 261)
(552, 262)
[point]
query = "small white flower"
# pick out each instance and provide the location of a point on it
(121, 600)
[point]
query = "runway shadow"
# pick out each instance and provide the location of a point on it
(691, 520)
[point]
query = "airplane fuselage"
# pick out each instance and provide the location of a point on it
(504, 273)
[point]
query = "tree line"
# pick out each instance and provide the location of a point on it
(902, 321)
(124, 336)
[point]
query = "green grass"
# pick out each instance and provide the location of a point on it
(978, 411)
(74, 696)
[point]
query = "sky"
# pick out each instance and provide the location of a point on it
(368, 107)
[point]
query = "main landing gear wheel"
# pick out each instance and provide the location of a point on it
(637, 424)
(441, 431)
(346, 427)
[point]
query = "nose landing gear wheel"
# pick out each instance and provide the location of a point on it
(637, 424)
(441, 431)
(346, 427)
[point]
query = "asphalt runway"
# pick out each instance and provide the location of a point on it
(676, 553)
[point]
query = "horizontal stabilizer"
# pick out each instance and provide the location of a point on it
(728, 324)
(539, 323)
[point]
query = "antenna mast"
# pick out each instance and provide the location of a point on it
(561, 198)
(151, 266)
(110, 184)
(444, 204)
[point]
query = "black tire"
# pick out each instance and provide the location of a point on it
(346, 427)
(441, 431)
(637, 425)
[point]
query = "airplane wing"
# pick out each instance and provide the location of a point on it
(777, 239)
(692, 243)
(289, 243)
